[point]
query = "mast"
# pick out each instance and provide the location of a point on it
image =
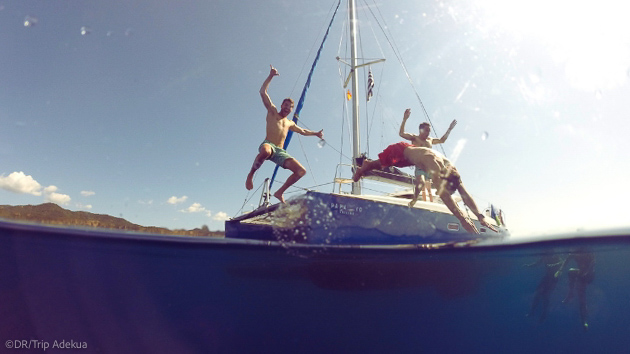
(356, 143)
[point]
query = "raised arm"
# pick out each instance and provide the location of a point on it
(445, 136)
(263, 89)
(306, 132)
(402, 126)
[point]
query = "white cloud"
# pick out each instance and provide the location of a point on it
(18, 182)
(194, 208)
(174, 200)
(85, 207)
(87, 193)
(220, 216)
(51, 195)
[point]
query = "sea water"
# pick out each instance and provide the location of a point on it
(131, 293)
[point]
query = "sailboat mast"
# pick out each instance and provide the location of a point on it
(356, 142)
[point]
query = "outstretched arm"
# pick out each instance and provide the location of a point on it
(306, 132)
(470, 203)
(445, 136)
(263, 89)
(452, 206)
(402, 126)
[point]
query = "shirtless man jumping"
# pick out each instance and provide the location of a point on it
(423, 140)
(448, 181)
(278, 126)
(439, 169)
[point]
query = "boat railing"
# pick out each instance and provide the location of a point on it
(265, 196)
(390, 175)
(340, 180)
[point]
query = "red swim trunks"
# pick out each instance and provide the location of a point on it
(393, 155)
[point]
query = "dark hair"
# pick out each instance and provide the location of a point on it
(451, 179)
(424, 124)
(288, 99)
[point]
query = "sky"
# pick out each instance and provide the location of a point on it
(149, 110)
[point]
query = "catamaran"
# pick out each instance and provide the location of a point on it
(356, 218)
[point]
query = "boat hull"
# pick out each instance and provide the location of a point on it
(329, 218)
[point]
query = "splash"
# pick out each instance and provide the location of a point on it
(296, 221)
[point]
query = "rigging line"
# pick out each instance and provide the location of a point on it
(248, 200)
(376, 99)
(300, 189)
(344, 105)
(305, 89)
(368, 118)
(307, 60)
(378, 43)
(327, 144)
(310, 170)
(399, 57)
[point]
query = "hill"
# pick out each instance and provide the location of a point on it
(50, 213)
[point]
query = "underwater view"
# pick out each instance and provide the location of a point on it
(430, 176)
(130, 294)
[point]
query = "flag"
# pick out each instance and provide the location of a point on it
(349, 95)
(495, 214)
(370, 85)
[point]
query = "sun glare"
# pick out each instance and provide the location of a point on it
(592, 39)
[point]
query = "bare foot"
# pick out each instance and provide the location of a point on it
(249, 184)
(279, 195)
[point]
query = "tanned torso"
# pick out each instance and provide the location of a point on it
(418, 141)
(277, 127)
(425, 158)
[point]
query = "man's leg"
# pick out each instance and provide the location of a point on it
(298, 172)
(427, 187)
(368, 165)
(263, 153)
(416, 191)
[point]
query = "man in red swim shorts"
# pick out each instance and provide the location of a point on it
(393, 155)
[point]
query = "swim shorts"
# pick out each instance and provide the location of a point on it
(420, 172)
(393, 155)
(278, 155)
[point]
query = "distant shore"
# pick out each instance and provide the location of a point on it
(53, 214)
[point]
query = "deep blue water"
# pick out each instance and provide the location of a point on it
(122, 293)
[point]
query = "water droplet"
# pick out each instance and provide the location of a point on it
(129, 32)
(85, 30)
(484, 136)
(110, 33)
(30, 21)
(321, 143)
